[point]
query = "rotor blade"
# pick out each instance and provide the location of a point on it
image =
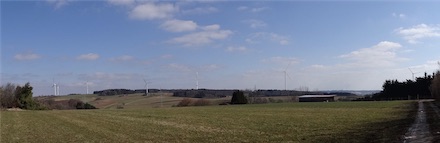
(411, 70)
(289, 76)
(288, 66)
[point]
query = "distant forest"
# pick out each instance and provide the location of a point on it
(420, 88)
(218, 93)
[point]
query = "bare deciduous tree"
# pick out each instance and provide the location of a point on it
(7, 96)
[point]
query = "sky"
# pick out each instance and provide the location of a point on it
(320, 45)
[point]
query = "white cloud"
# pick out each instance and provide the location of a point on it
(27, 56)
(200, 10)
(236, 49)
(251, 9)
(121, 2)
(122, 58)
(206, 36)
(210, 67)
(255, 23)
(167, 56)
(258, 9)
(256, 37)
(213, 27)
(401, 15)
(58, 3)
(150, 11)
(242, 8)
(89, 56)
(415, 33)
(179, 67)
(176, 25)
(380, 55)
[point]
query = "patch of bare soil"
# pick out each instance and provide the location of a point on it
(419, 131)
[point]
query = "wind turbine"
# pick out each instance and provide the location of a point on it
(413, 73)
(146, 87)
(58, 89)
(197, 80)
(286, 75)
(55, 86)
(87, 87)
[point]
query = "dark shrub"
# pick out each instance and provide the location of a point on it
(238, 98)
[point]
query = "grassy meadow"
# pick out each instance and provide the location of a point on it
(283, 122)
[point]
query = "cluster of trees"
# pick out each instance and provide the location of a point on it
(110, 92)
(50, 103)
(420, 88)
(435, 86)
(16, 96)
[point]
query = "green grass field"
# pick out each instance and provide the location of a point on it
(285, 122)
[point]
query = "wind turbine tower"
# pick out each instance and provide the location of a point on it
(146, 87)
(54, 88)
(197, 80)
(413, 73)
(286, 75)
(87, 87)
(58, 89)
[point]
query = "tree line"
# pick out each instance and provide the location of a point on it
(435, 86)
(426, 87)
(16, 96)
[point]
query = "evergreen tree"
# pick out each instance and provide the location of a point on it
(238, 98)
(24, 99)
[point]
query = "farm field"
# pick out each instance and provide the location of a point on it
(283, 122)
(134, 101)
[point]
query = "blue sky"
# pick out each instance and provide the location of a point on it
(232, 45)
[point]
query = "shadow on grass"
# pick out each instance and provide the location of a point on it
(378, 132)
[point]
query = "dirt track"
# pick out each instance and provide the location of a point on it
(419, 131)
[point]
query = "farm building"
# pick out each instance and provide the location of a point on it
(316, 98)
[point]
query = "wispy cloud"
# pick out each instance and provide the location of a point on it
(58, 3)
(176, 25)
(384, 54)
(89, 56)
(151, 11)
(166, 56)
(257, 37)
(415, 33)
(399, 15)
(253, 23)
(27, 56)
(200, 10)
(237, 49)
(251, 9)
(179, 67)
(122, 2)
(207, 35)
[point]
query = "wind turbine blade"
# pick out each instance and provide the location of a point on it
(288, 66)
(288, 76)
